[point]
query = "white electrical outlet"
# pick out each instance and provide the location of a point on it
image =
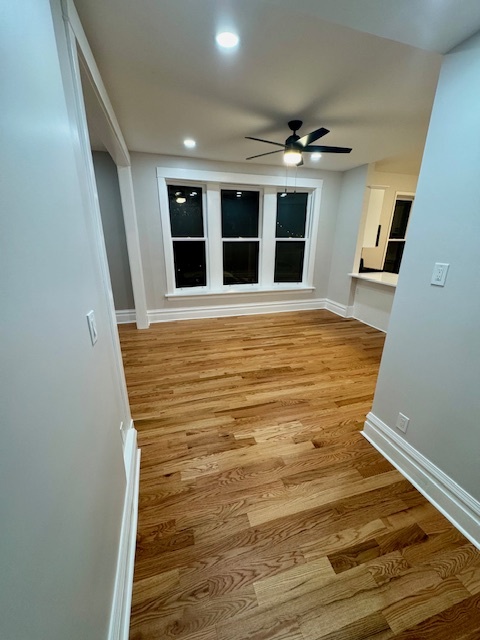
(402, 422)
(439, 274)
(92, 326)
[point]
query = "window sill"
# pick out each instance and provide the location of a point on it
(382, 278)
(232, 291)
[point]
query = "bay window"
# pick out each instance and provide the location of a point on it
(229, 233)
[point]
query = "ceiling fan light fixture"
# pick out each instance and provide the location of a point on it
(292, 157)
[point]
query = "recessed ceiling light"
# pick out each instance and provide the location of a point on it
(315, 156)
(189, 143)
(227, 39)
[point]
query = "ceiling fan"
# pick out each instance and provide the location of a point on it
(295, 146)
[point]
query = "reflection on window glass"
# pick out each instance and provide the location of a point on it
(289, 261)
(186, 211)
(240, 213)
(190, 265)
(240, 262)
(291, 215)
(400, 218)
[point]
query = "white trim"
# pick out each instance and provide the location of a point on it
(447, 496)
(125, 316)
(339, 309)
(383, 278)
(310, 247)
(119, 150)
(127, 197)
(369, 324)
(115, 143)
(221, 311)
(236, 289)
(196, 175)
(76, 108)
(212, 183)
(122, 594)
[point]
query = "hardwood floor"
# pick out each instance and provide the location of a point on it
(264, 514)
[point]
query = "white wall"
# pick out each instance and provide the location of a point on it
(347, 229)
(146, 197)
(372, 303)
(106, 177)
(431, 363)
(62, 473)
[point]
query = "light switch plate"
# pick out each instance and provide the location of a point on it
(439, 274)
(92, 326)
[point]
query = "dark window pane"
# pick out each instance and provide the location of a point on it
(190, 266)
(291, 215)
(289, 261)
(240, 214)
(186, 211)
(393, 257)
(400, 218)
(240, 262)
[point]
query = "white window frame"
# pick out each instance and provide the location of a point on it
(306, 239)
(399, 195)
(204, 238)
(258, 238)
(212, 182)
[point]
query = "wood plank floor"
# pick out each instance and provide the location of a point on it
(264, 514)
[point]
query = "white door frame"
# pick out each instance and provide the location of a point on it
(81, 54)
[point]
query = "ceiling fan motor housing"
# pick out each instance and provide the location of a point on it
(291, 140)
(295, 125)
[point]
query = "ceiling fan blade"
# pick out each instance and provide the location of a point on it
(269, 153)
(277, 144)
(311, 137)
(324, 149)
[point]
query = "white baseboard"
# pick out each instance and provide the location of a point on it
(339, 309)
(249, 308)
(122, 595)
(126, 316)
(220, 311)
(447, 496)
(368, 323)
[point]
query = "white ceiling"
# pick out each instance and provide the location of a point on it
(297, 59)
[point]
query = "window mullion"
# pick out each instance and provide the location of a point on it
(267, 265)
(214, 237)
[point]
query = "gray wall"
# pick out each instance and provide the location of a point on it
(431, 363)
(114, 230)
(62, 471)
(146, 198)
(346, 240)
